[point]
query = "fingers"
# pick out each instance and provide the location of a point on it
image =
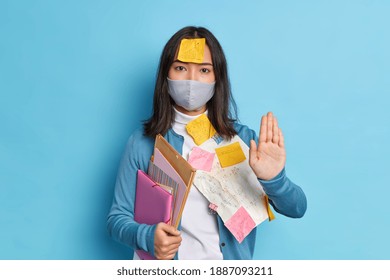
(170, 255)
(164, 254)
(263, 129)
(270, 122)
(166, 246)
(269, 129)
(281, 139)
(167, 240)
(169, 229)
(275, 131)
(252, 152)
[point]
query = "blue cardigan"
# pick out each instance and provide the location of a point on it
(285, 197)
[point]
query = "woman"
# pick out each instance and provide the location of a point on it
(185, 89)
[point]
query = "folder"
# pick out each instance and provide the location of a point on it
(153, 205)
(164, 181)
(175, 166)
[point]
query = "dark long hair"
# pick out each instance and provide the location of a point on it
(222, 109)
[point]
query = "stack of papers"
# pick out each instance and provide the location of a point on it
(162, 193)
(177, 168)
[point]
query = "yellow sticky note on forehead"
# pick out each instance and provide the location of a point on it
(200, 129)
(192, 50)
(230, 154)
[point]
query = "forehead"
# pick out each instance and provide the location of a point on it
(193, 51)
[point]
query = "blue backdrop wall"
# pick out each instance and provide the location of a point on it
(77, 77)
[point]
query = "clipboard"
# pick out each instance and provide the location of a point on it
(183, 169)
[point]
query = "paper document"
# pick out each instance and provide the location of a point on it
(235, 189)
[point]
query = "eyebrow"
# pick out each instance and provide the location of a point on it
(206, 63)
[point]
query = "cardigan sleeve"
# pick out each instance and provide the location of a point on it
(120, 221)
(286, 197)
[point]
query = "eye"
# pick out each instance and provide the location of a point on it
(180, 68)
(204, 70)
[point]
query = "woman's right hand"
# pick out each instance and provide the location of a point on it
(167, 240)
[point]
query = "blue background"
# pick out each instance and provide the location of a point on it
(77, 77)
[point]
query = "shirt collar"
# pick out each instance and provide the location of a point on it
(183, 118)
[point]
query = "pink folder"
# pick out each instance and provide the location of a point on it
(153, 205)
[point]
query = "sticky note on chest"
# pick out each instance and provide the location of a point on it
(230, 155)
(192, 50)
(201, 159)
(200, 129)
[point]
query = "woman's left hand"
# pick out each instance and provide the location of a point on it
(268, 158)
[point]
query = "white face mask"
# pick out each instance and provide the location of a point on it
(189, 94)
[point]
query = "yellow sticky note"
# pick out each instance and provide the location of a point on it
(200, 129)
(271, 215)
(192, 50)
(230, 155)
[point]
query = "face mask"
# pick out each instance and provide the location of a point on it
(189, 94)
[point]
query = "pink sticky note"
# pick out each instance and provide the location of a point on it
(201, 159)
(240, 224)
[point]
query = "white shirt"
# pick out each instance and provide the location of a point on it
(199, 229)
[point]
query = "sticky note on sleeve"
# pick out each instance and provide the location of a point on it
(192, 50)
(230, 155)
(200, 129)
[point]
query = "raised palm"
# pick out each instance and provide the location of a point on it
(268, 158)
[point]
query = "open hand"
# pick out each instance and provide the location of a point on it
(269, 157)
